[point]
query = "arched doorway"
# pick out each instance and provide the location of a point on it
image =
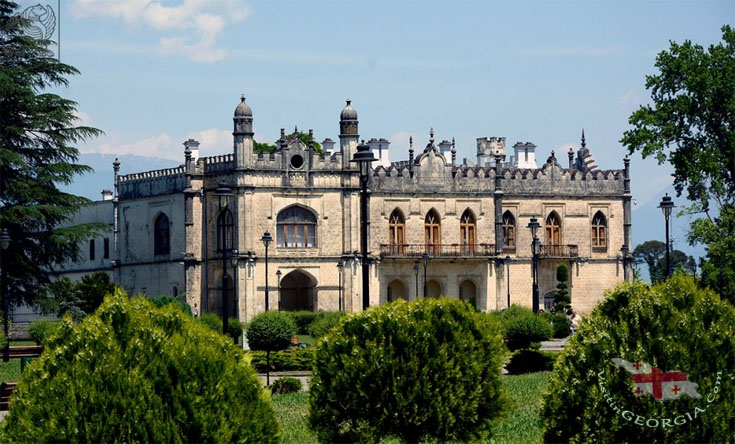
(396, 290)
(468, 292)
(548, 300)
(298, 291)
(433, 289)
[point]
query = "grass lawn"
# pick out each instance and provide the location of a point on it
(10, 371)
(521, 424)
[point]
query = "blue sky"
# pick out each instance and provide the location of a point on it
(157, 72)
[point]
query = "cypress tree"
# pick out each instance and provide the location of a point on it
(562, 301)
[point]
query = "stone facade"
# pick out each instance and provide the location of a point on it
(309, 202)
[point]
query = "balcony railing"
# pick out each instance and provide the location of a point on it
(437, 250)
(559, 251)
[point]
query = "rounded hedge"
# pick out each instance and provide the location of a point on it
(271, 331)
(523, 330)
(414, 370)
(134, 373)
(672, 326)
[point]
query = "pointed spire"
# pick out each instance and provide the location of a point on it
(454, 151)
(410, 144)
(295, 129)
(584, 142)
(431, 135)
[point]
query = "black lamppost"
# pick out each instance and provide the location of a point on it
(278, 275)
(267, 239)
(234, 261)
(224, 193)
(666, 206)
(425, 257)
(533, 225)
(416, 273)
(340, 267)
(507, 271)
(364, 158)
(5, 243)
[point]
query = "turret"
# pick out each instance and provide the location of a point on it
(243, 134)
(348, 134)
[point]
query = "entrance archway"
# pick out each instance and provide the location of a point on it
(433, 289)
(468, 292)
(298, 291)
(396, 290)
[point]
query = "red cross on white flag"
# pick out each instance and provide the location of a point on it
(662, 386)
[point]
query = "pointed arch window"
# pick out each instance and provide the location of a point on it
(432, 232)
(161, 238)
(599, 232)
(553, 234)
(509, 231)
(225, 231)
(397, 232)
(468, 231)
(296, 228)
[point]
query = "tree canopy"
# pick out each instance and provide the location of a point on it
(37, 135)
(653, 254)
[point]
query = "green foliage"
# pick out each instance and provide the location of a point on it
(718, 271)
(302, 319)
(38, 132)
(421, 370)
(530, 361)
(559, 324)
(77, 298)
(264, 147)
(135, 373)
(3, 339)
(282, 386)
(285, 360)
(523, 330)
(653, 253)
(562, 299)
(325, 322)
(41, 330)
(672, 326)
(211, 321)
(160, 301)
(270, 331)
(235, 328)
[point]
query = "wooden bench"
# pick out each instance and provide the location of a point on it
(6, 390)
(16, 352)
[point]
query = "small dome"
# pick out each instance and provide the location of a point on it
(348, 112)
(243, 110)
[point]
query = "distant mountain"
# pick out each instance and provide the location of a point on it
(91, 185)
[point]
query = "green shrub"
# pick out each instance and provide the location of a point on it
(211, 321)
(530, 361)
(559, 324)
(525, 329)
(235, 328)
(281, 386)
(291, 359)
(428, 369)
(302, 319)
(40, 331)
(325, 322)
(135, 373)
(270, 331)
(672, 326)
(160, 301)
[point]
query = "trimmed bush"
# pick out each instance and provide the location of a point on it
(270, 331)
(211, 321)
(281, 386)
(134, 373)
(160, 301)
(325, 322)
(303, 320)
(672, 326)
(530, 361)
(235, 328)
(291, 359)
(40, 331)
(422, 370)
(559, 324)
(526, 329)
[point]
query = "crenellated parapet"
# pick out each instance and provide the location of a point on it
(152, 183)
(218, 164)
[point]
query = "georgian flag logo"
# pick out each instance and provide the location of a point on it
(663, 386)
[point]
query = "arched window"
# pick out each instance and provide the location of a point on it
(553, 234)
(599, 232)
(467, 232)
(432, 233)
(397, 230)
(509, 231)
(161, 244)
(226, 227)
(296, 228)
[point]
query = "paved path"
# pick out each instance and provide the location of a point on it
(554, 344)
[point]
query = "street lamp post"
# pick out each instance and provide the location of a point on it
(224, 194)
(425, 257)
(364, 158)
(267, 239)
(5, 243)
(340, 267)
(416, 273)
(507, 271)
(666, 206)
(234, 261)
(278, 275)
(533, 225)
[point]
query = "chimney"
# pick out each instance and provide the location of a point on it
(193, 146)
(106, 194)
(328, 146)
(445, 147)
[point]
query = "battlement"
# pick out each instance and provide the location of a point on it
(216, 164)
(152, 183)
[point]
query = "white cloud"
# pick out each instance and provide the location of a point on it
(213, 141)
(199, 22)
(399, 141)
(83, 119)
(629, 97)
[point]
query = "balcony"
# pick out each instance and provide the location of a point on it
(560, 251)
(437, 250)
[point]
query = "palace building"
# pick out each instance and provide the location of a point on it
(172, 234)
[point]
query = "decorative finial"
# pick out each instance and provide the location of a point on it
(584, 143)
(283, 133)
(454, 147)
(410, 144)
(242, 97)
(295, 129)
(431, 134)
(116, 164)
(349, 101)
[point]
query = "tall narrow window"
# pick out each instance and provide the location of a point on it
(91, 249)
(225, 231)
(509, 231)
(397, 232)
(432, 233)
(296, 228)
(161, 241)
(553, 234)
(467, 232)
(106, 248)
(599, 232)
